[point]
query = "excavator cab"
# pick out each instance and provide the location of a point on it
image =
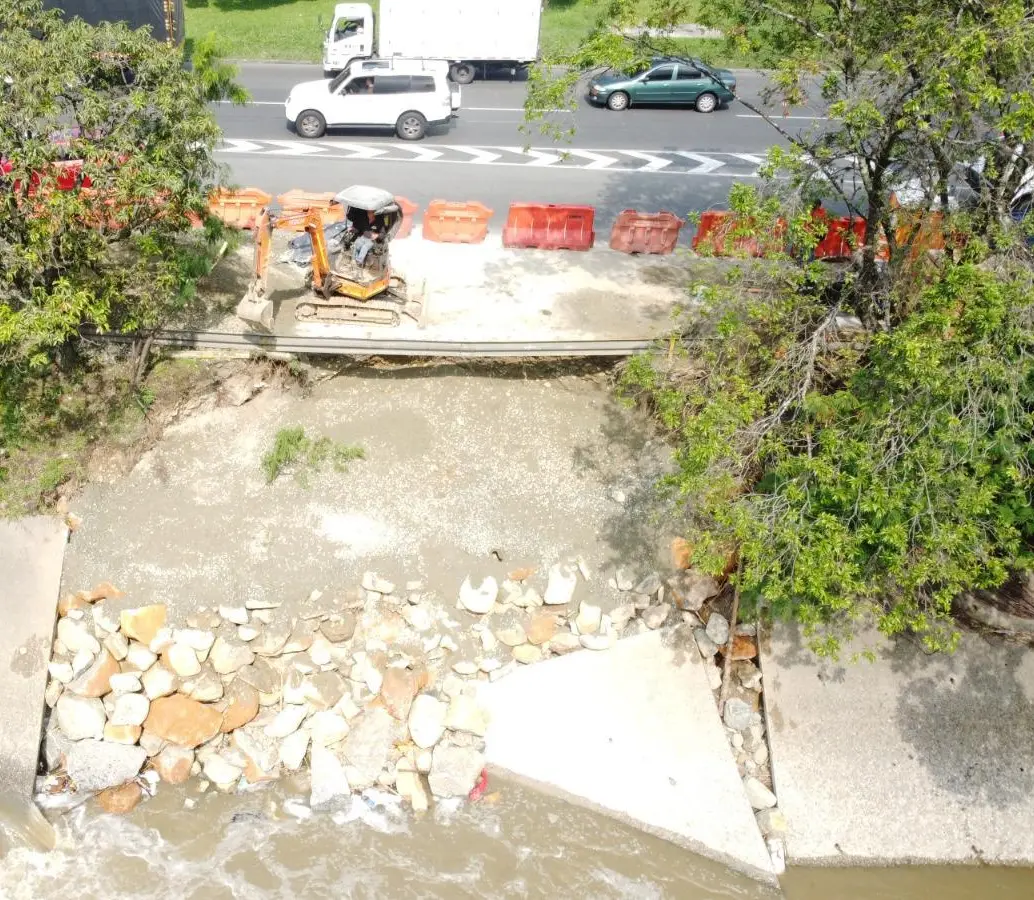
(350, 277)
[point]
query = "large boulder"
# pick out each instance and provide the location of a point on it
(454, 770)
(367, 746)
(183, 721)
(95, 765)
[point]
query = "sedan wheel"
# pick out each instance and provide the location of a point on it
(310, 124)
(706, 103)
(617, 101)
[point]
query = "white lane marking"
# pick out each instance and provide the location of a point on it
(480, 156)
(519, 109)
(541, 157)
(598, 160)
(644, 170)
(295, 148)
(424, 154)
(654, 163)
(362, 151)
(779, 116)
(707, 163)
(234, 145)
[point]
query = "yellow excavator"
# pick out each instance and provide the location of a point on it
(352, 280)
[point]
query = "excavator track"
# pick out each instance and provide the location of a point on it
(387, 308)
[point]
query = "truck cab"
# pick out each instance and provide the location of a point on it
(351, 36)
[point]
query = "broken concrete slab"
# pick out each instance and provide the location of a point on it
(911, 759)
(32, 551)
(632, 731)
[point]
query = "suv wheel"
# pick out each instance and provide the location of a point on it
(310, 124)
(411, 126)
(462, 73)
(707, 103)
(617, 101)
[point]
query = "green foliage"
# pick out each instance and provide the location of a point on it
(864, 478)
(861, 434)
(123, 254)
(217, 79)
(294, 449)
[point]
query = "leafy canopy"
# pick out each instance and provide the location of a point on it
(859, 433)
(120, 253)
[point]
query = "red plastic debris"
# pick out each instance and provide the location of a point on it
(478, 791)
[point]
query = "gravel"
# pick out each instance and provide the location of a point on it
(464, 475)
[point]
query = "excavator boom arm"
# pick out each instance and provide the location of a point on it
(320, 256)
(256, 307)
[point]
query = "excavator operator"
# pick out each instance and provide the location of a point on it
(363, 245)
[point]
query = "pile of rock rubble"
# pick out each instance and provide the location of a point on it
(374, 688)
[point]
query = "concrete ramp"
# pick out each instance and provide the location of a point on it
(31, 554)
(632, 731)
(909, 759)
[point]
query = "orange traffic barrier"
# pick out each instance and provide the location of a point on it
(409, 209)
(843, 236)
(456, 223)
(920, 233)
(547, 226)
(636, 232)
(298, 204)
(721, 233)
(238, 208)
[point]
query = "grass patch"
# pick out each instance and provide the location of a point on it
(56, 428)
(294, 29)
(294, 450)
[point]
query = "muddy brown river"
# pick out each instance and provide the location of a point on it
(518, 844)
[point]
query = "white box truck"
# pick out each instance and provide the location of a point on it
(471, 35)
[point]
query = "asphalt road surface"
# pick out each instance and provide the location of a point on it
(645, 159)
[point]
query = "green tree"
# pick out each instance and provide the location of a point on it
(121, 254)
(860, 433)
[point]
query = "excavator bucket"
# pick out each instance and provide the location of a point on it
(256, 308)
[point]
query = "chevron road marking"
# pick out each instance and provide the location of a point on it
(707, 163)
(364, 151)
(232, 145)
(750, 157)
(480, 156)
(423, 154)
(654, 163)
(620, 162)
(598, 160)
(541, 157)
(296, 148)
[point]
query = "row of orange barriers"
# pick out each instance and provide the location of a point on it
(528, 225)
(550, 226)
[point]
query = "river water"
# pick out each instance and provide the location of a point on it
(517, 843)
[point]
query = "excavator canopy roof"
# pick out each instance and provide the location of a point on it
(371, 199)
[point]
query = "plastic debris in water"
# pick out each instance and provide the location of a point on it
(478, 791)
(297, 809)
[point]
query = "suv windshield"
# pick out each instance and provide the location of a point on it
(338, 80)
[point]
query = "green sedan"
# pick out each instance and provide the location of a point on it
(666, 82)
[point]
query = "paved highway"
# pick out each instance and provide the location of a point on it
(648, 159)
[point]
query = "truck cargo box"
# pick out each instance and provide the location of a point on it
(165, 17)
(474, 30)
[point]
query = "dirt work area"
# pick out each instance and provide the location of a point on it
(464, 474)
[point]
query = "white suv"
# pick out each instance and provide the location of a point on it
(406, 95)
